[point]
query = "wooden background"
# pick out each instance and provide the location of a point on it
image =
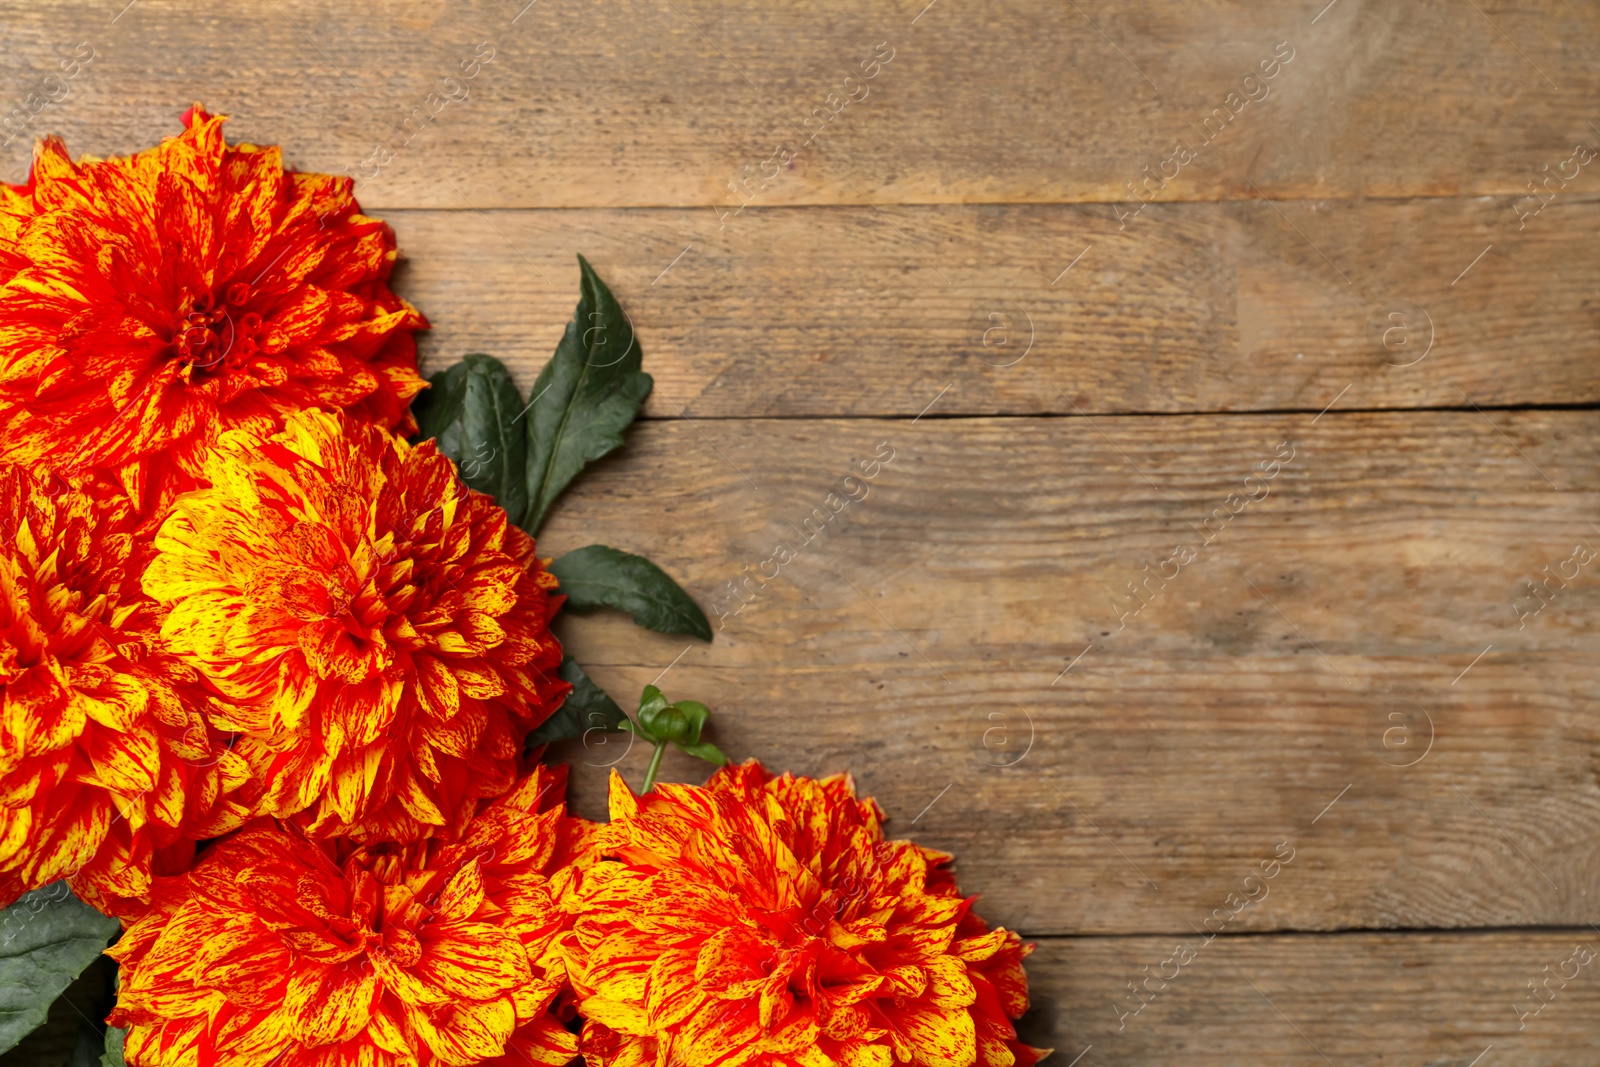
(1349, 667)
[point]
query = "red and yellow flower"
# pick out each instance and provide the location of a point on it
(767, 922)
(149, 303)
(274, 949)
(380, 630)
(108, 769)
(16, 211)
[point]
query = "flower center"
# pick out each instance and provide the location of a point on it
(216, 335)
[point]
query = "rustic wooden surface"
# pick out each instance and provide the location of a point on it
(1194, 307)
(1070, 386)
(1395, 1000)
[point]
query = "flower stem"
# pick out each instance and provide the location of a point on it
(655, 765)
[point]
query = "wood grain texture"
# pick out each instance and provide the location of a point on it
(1315, 644)
(649, 103)
(1193, 307)
(1372, 999)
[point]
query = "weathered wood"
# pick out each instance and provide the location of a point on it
(1298, 1001)
(921, 638)
(1195, 307)
(645, 103)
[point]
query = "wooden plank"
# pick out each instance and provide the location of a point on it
(647, 103)
(923, 638)
(1197, 307)
(1308, 1001)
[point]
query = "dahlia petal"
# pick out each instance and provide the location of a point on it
(347, 787)
(729, 963)
(624, 1015)
(388, 1034)
(247, 967)
(937, 1037)
(463, 894)
(464, 1036)
(291, 705)
(416, 802)
(1010, 982)
(478, 682)
(603, 1047)
(437, 688)
(542, 1043)
(460, 736)
(472, 960)
(624, 807)
(949, 985)
(493, 592)
(671, 994)
(721, 1039)
(994, 1048)
(340, 1005)
(862, 1054)
(15, 827)
(983, 947)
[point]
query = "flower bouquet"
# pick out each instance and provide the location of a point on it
(277, 681)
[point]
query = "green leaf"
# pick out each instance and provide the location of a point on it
(116, 1036)
(707, 751)
(47, 938)
(653, 707)
(585, 397)
(90, 1048)
(475, 414)
(602, 577)
(694, 715)
(651, 701)
(586, 708)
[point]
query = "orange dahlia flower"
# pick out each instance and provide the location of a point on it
(107, 766)
(153, 301)
(767, 922)
(16, 211)
(274, 950)
(380, 629)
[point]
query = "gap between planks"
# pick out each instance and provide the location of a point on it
(1206, 413)
(1348, 931)
(383, 209)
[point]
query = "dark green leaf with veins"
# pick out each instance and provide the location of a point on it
(47, 938)
(586, 708)
(116, 1037)
(476, 415)
(585, 397)
(603, 577)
